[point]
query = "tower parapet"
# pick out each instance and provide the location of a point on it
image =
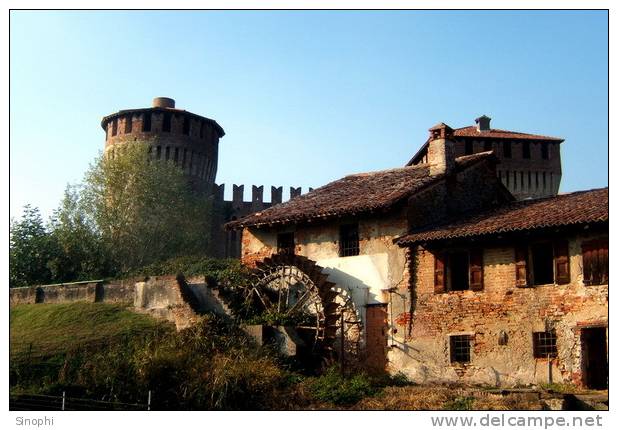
(189, 140)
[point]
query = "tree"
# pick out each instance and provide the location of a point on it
(81, 254)
(30, 249)
(144, 209)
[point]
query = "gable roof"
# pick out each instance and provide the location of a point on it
(582, 207)
(353, 194)
(493, 133)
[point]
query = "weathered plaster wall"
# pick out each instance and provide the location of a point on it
(423, 352)
(379, 265)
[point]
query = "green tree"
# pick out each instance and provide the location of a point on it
(81, 253)
(31, 247)
(144, 209)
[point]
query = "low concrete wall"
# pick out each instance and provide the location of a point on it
(167, 297)
(58, 293)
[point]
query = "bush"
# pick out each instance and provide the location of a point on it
(334, 388)
(459, 404)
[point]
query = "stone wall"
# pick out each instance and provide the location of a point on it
(423, 328)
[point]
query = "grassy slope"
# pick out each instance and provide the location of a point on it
(55, 328)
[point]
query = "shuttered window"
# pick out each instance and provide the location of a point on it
(476, 270)
(561, 262)
(542, 263)
(439, 273)
(595, 256)
(521, 266)
(458, 271)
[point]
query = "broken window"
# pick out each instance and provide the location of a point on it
(542, 263)
(147, 124)
(525, 150)
(595, 255)
(544, 344)
(460, 346)
(348, 240)
(285, 243)
(167, 122)
(458, 270)
(469, 147)
(506, 148)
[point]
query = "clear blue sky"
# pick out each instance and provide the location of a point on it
(304, 97)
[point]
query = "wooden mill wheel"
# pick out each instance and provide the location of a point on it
(295, 288)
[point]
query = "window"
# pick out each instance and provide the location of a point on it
(469, 147)
(147, 124)
(128, 124)
(158, 152)
(186, 125)
(529, 179)
(348, 240)
(544, 180)
(202, 130)
(114, 126)
(488, 146)
(542, 263)
(167, 122)
(167, 153)
(506, 148)
(458, 270)
(545, 150)
(285, 243)
(508, 177)
(460, 348)
(176, 155)
(525, 150)
(595, 255)
(544, 344)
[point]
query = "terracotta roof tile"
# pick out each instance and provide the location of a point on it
(353, 194)
(494, 133)
(580, 207)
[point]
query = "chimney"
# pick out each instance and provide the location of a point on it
(482, 123)
(441, 150)
(163, 102)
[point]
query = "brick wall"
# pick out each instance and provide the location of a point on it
(423, 352)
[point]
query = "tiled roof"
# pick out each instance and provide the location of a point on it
(494, 133)
(351, 195)
(580, 207)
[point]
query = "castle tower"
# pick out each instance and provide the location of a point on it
(189, 140)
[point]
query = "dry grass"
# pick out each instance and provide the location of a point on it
(445, 397)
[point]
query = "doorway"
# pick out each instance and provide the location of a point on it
(594, 357)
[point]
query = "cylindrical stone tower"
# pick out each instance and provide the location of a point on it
(191, 141)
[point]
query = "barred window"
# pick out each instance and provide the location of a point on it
(460, 348)
(285, 243)
(544, 344)
(348, 240)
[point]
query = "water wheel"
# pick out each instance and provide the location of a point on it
(296, 291)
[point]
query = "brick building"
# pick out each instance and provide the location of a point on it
(452, 277)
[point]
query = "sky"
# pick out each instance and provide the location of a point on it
(304, 97)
